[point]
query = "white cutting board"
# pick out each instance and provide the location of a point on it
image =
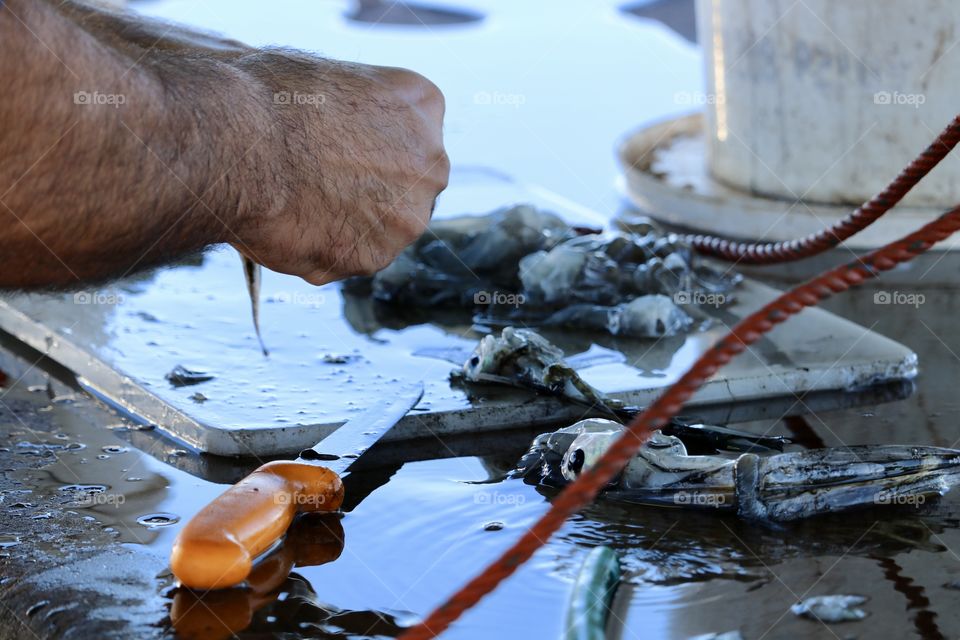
(123, 339)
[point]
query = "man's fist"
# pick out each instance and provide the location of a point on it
(360, 162)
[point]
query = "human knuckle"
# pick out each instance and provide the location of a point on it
(432, 177)
(441, 173)
(432, 93)
(420, 85)
(317, 278)
(405, 77)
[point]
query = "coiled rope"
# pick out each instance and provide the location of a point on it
(865, 215)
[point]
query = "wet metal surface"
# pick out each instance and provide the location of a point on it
(323, 367)
(73, 563)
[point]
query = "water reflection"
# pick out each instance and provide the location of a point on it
(676, 14)
(275, 601)
(381, 12)
(673, 546)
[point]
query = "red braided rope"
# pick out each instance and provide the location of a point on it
(860, 219)
(585, 488)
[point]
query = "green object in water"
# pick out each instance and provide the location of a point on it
(592, 594)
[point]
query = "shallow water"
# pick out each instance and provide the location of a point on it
(424, 528)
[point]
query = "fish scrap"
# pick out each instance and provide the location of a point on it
(522, 265)
(252, 273)
(525, 359)
(180, 376)
(831, 609)
(778, 487)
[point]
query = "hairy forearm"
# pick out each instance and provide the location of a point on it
(125, 143)
(127, 31)
(114, 158)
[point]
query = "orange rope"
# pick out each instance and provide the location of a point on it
(585, 488)
(868, 213)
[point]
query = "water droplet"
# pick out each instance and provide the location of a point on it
(84, 488)
(103, 456)
(153, 520)
(493, 526)
(112, 448)
(40, 605)
(8, 540)
(46, 448)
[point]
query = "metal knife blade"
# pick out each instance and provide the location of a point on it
(343, 447)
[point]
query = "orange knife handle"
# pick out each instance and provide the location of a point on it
(216, 549)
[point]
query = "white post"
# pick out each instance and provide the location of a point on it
(826, 100)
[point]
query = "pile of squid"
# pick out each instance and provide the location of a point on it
(521, 265)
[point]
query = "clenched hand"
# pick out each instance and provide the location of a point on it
(359, 164)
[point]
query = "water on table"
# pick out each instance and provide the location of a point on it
(434, 523)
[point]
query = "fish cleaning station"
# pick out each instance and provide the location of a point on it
(677, 355)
